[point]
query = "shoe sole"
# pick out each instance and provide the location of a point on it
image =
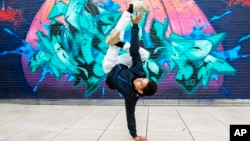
(141, 8)
(113, 38)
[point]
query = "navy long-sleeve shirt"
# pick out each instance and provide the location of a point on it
(121, 78)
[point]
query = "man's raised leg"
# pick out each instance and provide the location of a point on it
(111, 58)
(117, 33)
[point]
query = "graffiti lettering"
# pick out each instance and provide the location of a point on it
(245, 2)
(73, 45)
(191, 82)
(11, 15)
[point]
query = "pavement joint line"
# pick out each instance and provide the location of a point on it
(25, 128)
(69, 126)
(185, 123)
(110, 123)
(147, 123)
(217, 119)
(19, 132)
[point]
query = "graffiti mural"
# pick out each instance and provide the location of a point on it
(65, 45)
(244, 2)
(10, 14)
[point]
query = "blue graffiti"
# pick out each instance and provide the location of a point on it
(231, 54)
(244, 38)
(25, 50)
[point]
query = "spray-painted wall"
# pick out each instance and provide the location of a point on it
(54, 48)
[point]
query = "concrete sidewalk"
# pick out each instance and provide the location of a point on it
(22, 122)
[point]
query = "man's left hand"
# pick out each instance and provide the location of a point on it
(137, 19)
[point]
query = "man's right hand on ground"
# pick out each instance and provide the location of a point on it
(140, 138)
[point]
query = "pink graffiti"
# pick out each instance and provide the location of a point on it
(11, 15)
(231, 2)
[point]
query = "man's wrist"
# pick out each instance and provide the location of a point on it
(135, 25)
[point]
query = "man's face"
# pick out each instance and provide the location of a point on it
(140, 83)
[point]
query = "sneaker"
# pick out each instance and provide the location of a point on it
(139, 6)
(113, 38)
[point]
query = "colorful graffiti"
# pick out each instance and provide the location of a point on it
(11, 15)
(244, 2)
(66, 41)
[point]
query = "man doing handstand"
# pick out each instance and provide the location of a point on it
(125, 72)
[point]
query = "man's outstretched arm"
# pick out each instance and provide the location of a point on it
(134, 49)
(136, 67)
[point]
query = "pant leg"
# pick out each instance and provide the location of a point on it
(126, 59)
(123, 23)
(110, 59)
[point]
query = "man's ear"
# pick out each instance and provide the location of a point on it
(140, 91)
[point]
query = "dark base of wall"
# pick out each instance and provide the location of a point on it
(144, 102)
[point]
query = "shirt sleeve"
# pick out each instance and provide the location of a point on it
(134, 48)
(131, 122)
(136, 67)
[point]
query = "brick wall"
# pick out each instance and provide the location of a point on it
(169, 31)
